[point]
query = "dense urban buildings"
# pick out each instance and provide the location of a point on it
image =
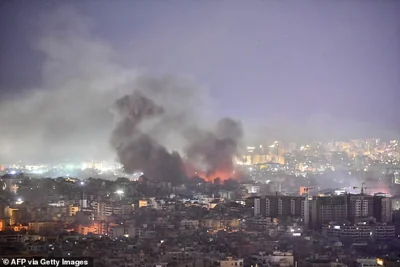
(275, 213)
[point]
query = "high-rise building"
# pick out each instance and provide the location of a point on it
(360, 207)
(83, 203)
(324, 209)
(328, 209)
(350, 208)
(277, 206)
(305, 210)
(383, 209)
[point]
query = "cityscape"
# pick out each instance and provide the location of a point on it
(284, 204)
(169, 134)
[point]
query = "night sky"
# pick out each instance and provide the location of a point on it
(261, 61)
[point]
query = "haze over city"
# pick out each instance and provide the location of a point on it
(286, 71)
(185, 133)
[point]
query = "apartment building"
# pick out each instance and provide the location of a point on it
(277, 206)
(350, 208)
(383, 209)
(360, 207)
(360, 232)
(326, 209)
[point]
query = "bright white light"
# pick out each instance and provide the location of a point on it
(82, 183)
(119, 192)
(13, 172)
(138, 174)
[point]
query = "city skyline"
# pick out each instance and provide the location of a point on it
(187, 133)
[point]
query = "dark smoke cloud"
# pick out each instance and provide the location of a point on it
(68, 116)
(136, 150)
(215, 150)
(71, 116)
(143, 125)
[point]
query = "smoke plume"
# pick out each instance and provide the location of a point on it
(137, 150)
(216, 150)
(91, 94)
(67, 116)
(144, 126)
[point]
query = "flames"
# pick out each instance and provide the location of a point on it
(221, 173)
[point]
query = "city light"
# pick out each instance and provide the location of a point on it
(224, 135)
(119, 192)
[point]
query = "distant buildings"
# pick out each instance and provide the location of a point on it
(262, 155)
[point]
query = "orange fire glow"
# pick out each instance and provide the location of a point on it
(221, 174)
(210, 177)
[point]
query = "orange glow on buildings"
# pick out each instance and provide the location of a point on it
(221, 174)
(2, 225)
(97, 228)
(86, 229)
(303, 190)
(18, 228)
